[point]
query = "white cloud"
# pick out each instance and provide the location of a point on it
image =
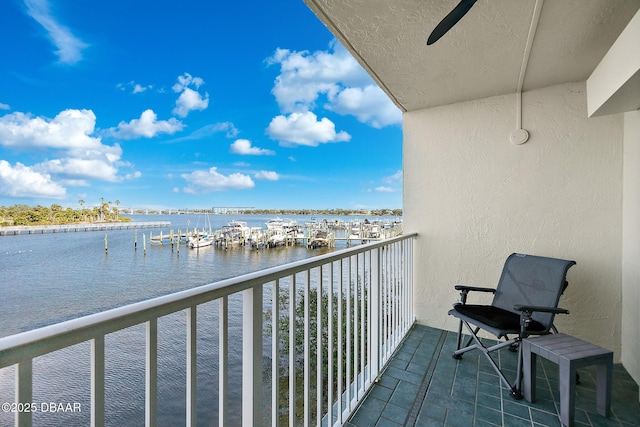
(132, 176)
(69, 129)
(395, 178)
(394, 183)
(207, 181)
(305, 77)
(383, 189)
(138, 88)
(147, 126)
(369, 105)
(4, 106)
(134, 87)
(267, 175)
(77, 155)
(69, 47)
(187, 80)
(206, 131)
(77, 167)
(189, 99)
(304, 129)
(23, 181)
(244, 147)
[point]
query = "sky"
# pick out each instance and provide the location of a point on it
(189, 104)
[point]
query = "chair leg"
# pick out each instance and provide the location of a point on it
(514, 390)
(458, 356)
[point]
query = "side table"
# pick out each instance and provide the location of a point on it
(569, 354)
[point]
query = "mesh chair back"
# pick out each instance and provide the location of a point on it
(532, 280)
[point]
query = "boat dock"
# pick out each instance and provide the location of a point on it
(88, 226)
(282, 233)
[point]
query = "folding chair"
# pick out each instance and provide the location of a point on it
(525, 303)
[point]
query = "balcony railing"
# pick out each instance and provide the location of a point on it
(328, 324)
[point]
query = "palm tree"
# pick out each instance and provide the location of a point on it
(101, 210)
(81, 202)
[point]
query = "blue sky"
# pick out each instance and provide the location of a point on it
(189, 104)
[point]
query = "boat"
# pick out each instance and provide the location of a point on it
(200, 239)
(276, 238)
(321, 238)
(256, 238)
(274, 224)
(234, 233)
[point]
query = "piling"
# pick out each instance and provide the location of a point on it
(106, 243)
(135, 239)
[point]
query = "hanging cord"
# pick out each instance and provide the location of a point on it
(520, 136)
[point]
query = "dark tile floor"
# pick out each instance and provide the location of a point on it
(424, 386)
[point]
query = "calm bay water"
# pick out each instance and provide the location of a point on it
(48, 278)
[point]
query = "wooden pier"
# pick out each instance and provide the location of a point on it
(88, 226)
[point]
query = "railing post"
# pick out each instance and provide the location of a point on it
(363, 319)
(252, 356)
(292, 352)
(330, 347)
(319, 347)
(223, 370)
(375, 317)
(349, 338)
(24, 392)
(151, 373)
(97, 381)
(191, 366)
(340, 344)
(307, 349)
(275, 354)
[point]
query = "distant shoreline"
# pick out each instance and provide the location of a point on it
(324, 212)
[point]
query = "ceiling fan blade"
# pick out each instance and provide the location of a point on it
(450, 20)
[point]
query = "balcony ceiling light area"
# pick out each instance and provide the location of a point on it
(498, 47)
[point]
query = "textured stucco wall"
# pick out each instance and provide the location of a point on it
(474, 198)
(631, 246)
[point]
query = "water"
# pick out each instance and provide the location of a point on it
(48, 278)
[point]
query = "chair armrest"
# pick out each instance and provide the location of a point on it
(465, 288)
(464, 291)
(527, 310)
(532, 308)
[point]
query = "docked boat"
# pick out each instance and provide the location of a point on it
(256, 238)
(321, 238)
(199, 240)
(234, 233)
(276, 238)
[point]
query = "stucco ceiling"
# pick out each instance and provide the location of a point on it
(483, 54)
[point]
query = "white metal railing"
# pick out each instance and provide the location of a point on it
(350, 310)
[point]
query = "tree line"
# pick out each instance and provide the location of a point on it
(56, 214)
(323, 212)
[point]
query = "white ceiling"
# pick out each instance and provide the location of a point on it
(483, 54)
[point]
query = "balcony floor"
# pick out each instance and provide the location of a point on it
(424, 386)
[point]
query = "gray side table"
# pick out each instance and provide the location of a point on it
(570, 354)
